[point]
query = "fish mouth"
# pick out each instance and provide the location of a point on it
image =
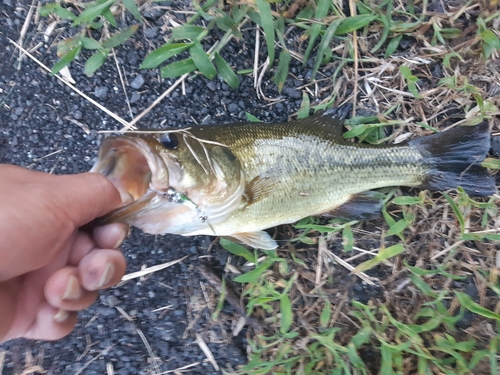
(133, 167)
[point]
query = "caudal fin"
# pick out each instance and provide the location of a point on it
(455, 158)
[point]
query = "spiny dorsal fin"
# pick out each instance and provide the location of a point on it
(331, 119)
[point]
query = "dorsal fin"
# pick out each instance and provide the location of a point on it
(331, 119)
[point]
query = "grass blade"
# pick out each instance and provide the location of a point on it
(225, 71)
(66, 59)
(131, 6)
(178, 68)
(94, 62)
(92, 12)
(251, 117)
(237, 249)
(163, 53)
(325, 45)
(253, 275)
(382, 255)
(120, 37)
(190, 32)
(305, 106)
(202, 61)
(476, 308)
(282, 71)
(350, 24)
(266, 17)
(321, 12)
(286, 313)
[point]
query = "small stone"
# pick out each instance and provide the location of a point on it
(133, 58)
(233, 108)
(137, 82)
(78, 115)
(112, 301)
(179, 313)
(151, 32)
(152, 13)
(34, 138)
(101, 92)
(211, 86)
(18, 111)
(291, 92)
(135, 97)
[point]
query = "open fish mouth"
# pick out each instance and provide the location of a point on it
(136, 171)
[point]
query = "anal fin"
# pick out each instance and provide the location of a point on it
(259, 240)
(363, 206)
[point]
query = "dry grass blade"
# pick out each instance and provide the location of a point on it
(206, 350)
(124, 314)
(152, 269)
(363, 276)
(84, 127)
(2, 359)
(123, 84)
(22, 34)
(180, 369)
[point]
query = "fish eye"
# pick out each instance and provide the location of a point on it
(169, 141)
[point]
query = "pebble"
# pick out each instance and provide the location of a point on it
(137, 82)
(291, 92)
(151, 32)
(135, 97)
(211, 86)
(152, 13)
(233, 108)
(78, 115)
(101, 92)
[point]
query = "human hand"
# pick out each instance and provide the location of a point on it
(49, 266)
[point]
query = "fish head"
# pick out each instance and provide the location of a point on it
(171, 182)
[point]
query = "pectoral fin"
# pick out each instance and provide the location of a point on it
(363, 206)
(258, 240)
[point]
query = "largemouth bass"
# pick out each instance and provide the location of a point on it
(237, 180)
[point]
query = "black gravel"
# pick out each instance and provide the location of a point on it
(37, 132)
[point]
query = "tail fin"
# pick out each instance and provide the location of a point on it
(455, 158)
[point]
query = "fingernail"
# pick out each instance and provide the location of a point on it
(60, 316)
(122, 238)
(73, 290)
(107, 275)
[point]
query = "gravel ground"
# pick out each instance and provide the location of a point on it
(39, 130)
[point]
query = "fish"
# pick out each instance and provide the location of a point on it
(237, 180)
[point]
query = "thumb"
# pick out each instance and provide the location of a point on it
(86, 196)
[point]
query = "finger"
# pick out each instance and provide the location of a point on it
(110, 236)
(86, 196)
(51, 323)
(101, 269)
(82, 245)
(63, 290)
